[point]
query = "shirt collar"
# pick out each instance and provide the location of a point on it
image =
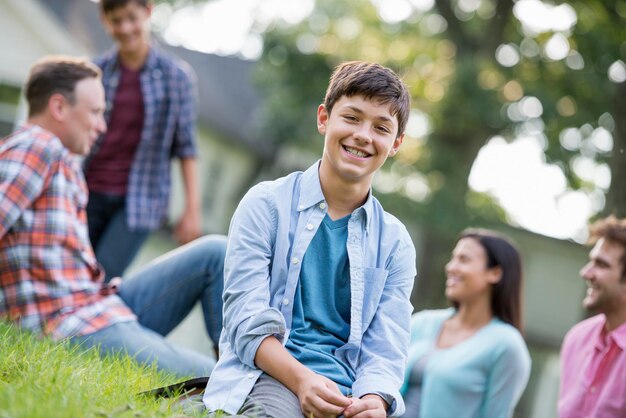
(311, 194)
(151, 62)
(618, 335)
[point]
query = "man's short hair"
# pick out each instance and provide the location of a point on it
(373, 81)
(56, 75)
(613, 230)
(107, 6)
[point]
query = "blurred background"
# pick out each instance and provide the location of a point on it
(518, 122)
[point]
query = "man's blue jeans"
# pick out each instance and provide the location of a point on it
(161, 295)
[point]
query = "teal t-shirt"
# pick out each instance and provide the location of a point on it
(321, 311)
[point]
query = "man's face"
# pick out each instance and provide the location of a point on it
(359, 135)
(606, 289)
(128, 26)
(83, 121)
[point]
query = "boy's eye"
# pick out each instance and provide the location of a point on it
(350, 118)
(383, 129)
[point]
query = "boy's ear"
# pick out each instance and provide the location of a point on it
(103, 20)
(396, 145)
(322, 119)
(149, 7)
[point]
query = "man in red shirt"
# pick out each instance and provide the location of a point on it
(50, 282)
(593, 356)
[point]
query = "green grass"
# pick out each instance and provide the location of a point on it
(40, 378)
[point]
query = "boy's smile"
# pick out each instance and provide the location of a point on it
(359, 135)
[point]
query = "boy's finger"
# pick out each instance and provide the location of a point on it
(336, 398)
(323, 408)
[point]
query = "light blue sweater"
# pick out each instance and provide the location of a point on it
(481, 377)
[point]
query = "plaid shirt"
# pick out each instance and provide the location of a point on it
(169, 130)
(50, 281)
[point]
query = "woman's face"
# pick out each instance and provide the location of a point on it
(468, 277)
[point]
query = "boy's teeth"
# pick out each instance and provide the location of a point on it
(356, 152)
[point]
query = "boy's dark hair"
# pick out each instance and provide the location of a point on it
(107, 6)
(506, 294)
(56, 75)
(373, 81)
(613, 230)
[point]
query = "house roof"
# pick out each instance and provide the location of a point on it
(27, 32)
(229, 103)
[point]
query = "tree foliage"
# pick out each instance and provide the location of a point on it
(447, 53)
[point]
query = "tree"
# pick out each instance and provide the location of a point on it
(477, 70)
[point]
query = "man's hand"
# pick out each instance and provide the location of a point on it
(369, 406)
(320, 397)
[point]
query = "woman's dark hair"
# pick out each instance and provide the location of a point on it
(506, 295)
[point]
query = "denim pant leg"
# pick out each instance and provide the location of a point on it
(100, 210)
(164, 292)
(147, 347)
(119, 245)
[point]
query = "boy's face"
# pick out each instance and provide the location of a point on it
(128, 26)
(359, 135)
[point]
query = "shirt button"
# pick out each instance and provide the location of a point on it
(301, 207)
(285, 301)
(309, 227)
(322, 205)
(250, 375)
(295, 260)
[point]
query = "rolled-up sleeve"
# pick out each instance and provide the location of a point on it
(185, 145)
(248, 316)
(385, 343)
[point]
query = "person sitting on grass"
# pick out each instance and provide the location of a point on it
(50, 282)
(318, 276)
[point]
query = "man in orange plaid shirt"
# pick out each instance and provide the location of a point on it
(50, 282)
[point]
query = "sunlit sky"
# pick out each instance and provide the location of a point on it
(533, 193)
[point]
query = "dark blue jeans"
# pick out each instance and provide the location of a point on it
(114, 243)
(161, 295)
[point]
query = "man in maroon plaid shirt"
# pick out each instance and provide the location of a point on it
(50, 282)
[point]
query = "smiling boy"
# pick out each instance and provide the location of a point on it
(318, 276)
(151, 117)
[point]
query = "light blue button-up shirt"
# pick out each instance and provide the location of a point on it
(269, 235)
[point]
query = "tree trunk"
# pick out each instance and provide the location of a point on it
(616, 198)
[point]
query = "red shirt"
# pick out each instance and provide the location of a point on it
(109, 169)
(593, 371)
(50, 282)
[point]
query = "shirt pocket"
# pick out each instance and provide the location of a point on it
(374, 283)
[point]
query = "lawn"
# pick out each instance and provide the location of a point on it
(39, 378)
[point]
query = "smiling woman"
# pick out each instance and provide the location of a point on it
(477, 341)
